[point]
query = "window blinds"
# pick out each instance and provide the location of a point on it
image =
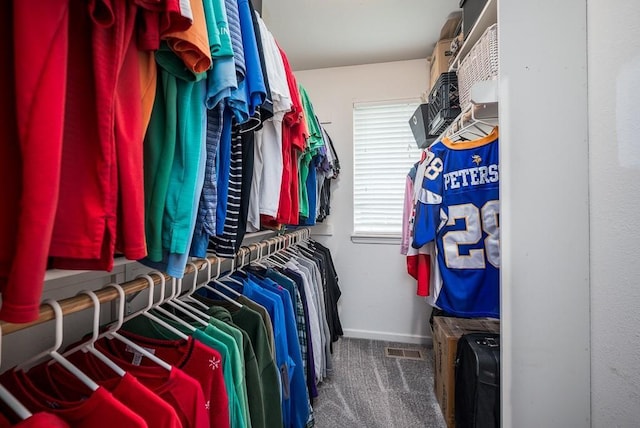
(384, 151)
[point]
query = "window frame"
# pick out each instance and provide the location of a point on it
(376, 237)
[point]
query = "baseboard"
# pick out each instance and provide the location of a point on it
(389, 337)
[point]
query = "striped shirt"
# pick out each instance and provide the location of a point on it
(224, 244)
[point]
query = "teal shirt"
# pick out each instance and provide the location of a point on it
(314, 142)
(225, 49)
(237, 366)
(159, 151)
(255, 387)
(252, 322)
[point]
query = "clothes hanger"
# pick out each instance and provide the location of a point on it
(258, 259)
(296, 251)
(228, 277)
(189, 296)
(158, 308)
(204, 317)
(53, 352)
(7, 397)
(277, 247)
(90, 346)
(299, 244)
(278, 253)
(187, 310)
(112, 332)
(269, 259)
(242, 261)
(206, 286)
(477, 128)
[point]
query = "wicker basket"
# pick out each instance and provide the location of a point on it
(480, 64)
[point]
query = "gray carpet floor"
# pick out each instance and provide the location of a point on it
(369, 390)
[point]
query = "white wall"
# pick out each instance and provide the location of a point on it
(544, 219)
(614, 128)
(378, 297)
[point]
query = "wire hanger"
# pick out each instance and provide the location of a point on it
(14, 404)
(206, 286)
(112, 332)
(90, 346)
(156, 307)
(53, 352)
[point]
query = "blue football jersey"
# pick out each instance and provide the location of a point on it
(459, 208)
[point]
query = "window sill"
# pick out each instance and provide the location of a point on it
(361, 238)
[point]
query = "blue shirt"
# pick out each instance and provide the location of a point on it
(298, 391)
(206, 220)
(221, 80)
(237, 98)
(273, 304)
(255, 88)
(459, 209)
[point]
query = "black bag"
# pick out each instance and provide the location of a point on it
(477, 377)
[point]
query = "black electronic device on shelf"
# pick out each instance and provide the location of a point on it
(419, 124)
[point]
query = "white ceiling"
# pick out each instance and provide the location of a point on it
(332, 33)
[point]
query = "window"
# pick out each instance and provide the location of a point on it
(384, 152)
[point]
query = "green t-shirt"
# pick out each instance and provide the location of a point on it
(253, 324)
(255, 386)
(238, 364)
(314, 142)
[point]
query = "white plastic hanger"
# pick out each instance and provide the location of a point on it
(14, 404)
(156, 307)
(239, 265)
(189, 296)
(206, 286)
(244, 262)
(112, 332)
(228, 277)
(89, 346)
(186, 309)
(203, 315)
(258, 259)
(53, 352)
(289, 248)
(300, 245)
(280, 246)
(269, 259)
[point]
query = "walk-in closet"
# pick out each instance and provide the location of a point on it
(329, 214)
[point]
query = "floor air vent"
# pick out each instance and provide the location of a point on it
(407, 354)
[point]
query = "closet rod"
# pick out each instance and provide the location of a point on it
(81, 302)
